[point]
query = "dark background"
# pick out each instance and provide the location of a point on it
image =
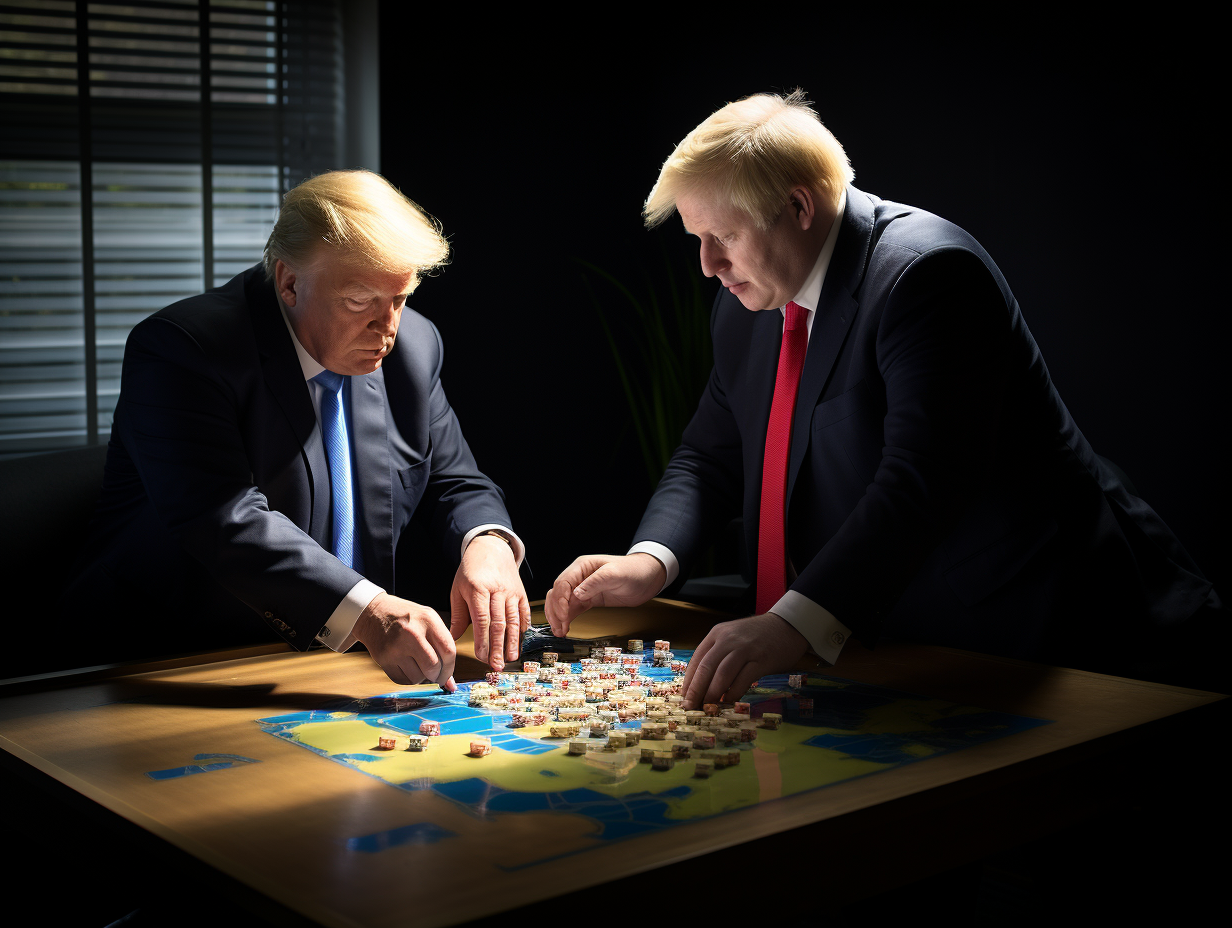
(1079, 157)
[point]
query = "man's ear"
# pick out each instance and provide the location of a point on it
(804, 207)
(284, 282)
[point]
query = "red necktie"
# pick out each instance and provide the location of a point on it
(771, 530)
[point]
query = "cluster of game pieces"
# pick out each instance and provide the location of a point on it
(604, 704)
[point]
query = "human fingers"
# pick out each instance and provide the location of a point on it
(563, 606)
(745, 678)
(459, 615)
(402, 669)
(513, 628)
(725, 674)
(476, 604)
(699, 654)
(496, 630)
(707, 664)
(497, 634)
(524, 611)
(442, 643)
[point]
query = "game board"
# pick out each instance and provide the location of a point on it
(851, 730)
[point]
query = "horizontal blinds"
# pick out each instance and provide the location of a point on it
(152, 154)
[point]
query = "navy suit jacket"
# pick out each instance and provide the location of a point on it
(216, 488)
(938, 488)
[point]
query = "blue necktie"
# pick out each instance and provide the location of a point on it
(338, 453)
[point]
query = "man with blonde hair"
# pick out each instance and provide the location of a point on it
(273, 438)
(881, 416)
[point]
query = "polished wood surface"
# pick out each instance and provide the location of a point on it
(280, 826)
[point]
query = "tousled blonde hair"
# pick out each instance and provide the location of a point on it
(361, 215)
(752, 153)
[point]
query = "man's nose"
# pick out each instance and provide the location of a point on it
(712, 261)
(386, 319)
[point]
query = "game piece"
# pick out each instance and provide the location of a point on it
(742, 708)
(549, 658)
(480, 746)
(635, 646)
(711, 708)
(648, 753)
(662, 761)
(678, 666)
(680, 750)
(703, 767)
(386, 743)
(578, 745)
(795, 680)
(771, 720)
(661, 645)
(704, 739)
(654, 731)
(748, 731)
(733, 757)
(417, 742)
(429, 728)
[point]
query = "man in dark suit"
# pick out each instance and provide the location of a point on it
(272, 440)
(880, 414)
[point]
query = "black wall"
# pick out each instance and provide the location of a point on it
(1082, 164)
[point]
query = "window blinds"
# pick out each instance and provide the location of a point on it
(183, 121)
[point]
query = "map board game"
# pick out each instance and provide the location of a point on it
(831, 730)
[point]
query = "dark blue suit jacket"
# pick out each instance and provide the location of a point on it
(938, 488)
(216, 487)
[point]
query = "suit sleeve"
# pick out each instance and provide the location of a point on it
(180, 423)
(460, 495)
(701, 487)
(943, 346)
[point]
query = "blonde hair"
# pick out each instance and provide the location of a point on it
(364, 217)
(753, 152)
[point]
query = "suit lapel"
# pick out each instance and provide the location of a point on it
(373, 476)
(284, 378)
(836, 311)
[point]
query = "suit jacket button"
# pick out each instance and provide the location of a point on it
(837, 639)
(269, 615)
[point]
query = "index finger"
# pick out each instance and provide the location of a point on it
(442, 643)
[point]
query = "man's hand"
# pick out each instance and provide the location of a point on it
(602, 580)
(407, 640)
(735, 654)
(488, 592)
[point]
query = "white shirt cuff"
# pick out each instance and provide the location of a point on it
(826, 635)
(336, 635)
(519, 549)
(664, 557)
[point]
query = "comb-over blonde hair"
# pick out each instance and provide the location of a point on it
(363, 217)
(752, 153)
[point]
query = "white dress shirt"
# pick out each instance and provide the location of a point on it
(338, 628)
(824, 633)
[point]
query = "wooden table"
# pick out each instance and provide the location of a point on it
(278, 827)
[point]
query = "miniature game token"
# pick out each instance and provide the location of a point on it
(681, 749)
(661, 645)
(480, 746)
(804, 707)
(711, 708)
(662, 761)
(549, 658)
(635, 646)
(578, 745)
(429, 728)
(386, 743)
(748, 731)
(795, 680)
(704, 739)
(417, 742)
(678, 666)
(616, 739)
(742, 708)
(703, 767)
(771, 720)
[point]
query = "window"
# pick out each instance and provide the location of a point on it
(181, 122)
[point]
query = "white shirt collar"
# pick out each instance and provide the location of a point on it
(307, 362)
(810, 294)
